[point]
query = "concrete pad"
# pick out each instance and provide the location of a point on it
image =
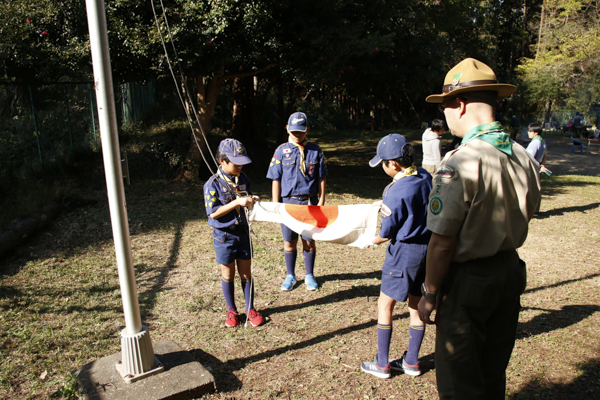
(183, 377)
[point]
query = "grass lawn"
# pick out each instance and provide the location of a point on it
(60, 303)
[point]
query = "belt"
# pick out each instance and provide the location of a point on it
(300, 197)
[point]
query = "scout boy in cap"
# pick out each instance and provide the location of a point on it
(298, 171)
(225, 193)
(404, 209)
(484, 194)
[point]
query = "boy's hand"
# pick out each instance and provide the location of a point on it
(245, 201)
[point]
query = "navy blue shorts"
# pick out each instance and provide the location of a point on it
(231, 244)
(403, 270)
(288, 234)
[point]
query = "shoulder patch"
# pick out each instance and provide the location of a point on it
(444, 174)
(385, 210)
(435, 205)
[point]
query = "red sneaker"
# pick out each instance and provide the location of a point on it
(232, 318)
(255, 318)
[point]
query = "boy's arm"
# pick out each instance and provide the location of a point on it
(378, 240)
(322, 184)
(227, 208)
(276, 191)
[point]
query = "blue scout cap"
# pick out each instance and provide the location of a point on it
(298, 122)
(235, 151)
(389, 148)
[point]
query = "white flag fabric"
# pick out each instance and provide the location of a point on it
(353, 225)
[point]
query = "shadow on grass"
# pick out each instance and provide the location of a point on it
(584, 387)
(562, 283)
(225, 380)
(147, 299)
(226, 369)
(553, 320)
(565, 210)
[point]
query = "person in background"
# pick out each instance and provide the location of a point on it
(432, 145)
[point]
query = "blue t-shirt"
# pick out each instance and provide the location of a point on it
(404, 209)
(285, 167)
(219, 190)
(537, 148)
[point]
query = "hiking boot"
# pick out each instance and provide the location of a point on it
(255, 318)
(401, 365)
(289, 282)
(233, 318)
(311, 283)
(371, 367)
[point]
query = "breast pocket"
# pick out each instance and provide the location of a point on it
(289, 163)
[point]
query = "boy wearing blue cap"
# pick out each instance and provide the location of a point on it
(404, 209)
(298, 171)
(225, 193)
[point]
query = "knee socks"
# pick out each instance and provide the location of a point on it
(248, 289)
(415, 338)
(384, 337)
(290, 261)
(309, 261)
(227, 286)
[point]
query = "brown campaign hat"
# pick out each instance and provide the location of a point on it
(471, 75)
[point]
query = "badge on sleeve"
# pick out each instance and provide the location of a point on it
(444, 174)
(385, 210)
(435, 206)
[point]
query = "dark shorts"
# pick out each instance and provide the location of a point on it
(288, 234)
(231, 244)
(403, 270)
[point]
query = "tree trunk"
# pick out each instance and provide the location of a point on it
(243, 127)
(207, 91)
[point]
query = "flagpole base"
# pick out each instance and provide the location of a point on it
(137, 357)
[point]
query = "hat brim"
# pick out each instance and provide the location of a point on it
(240, 160)
(297, 129)
(504, 90)
(375, 161)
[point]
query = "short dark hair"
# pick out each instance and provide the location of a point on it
(408, 156)
(437, 125)
(535, 127)
(221, 156)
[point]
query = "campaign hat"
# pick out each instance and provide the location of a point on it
(235, 151)
(471, 75)
(389, 147)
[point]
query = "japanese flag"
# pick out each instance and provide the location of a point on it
(354, 225)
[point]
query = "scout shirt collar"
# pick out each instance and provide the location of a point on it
(412, 170)
(491, 133)
(300, 146)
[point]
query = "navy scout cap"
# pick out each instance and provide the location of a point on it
(389, 148)
(298, 122)
(235, 151)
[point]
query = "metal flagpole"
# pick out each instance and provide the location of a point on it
(138, 360)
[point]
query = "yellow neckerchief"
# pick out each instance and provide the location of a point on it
(233, 184)
(300, 146)
(412, 170)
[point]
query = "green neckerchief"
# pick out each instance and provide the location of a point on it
(300, 147)
(491, 133)
(538, 137)
(412, 170)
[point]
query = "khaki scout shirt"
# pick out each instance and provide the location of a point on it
(484, 197)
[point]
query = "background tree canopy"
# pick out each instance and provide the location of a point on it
(365, 64)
